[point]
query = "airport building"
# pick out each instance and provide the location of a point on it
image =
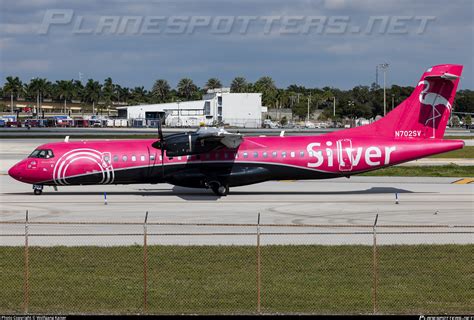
(218, 107)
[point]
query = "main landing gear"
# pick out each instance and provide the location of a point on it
(37, 189)
(220, 190)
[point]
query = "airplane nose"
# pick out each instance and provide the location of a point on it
(14, 172)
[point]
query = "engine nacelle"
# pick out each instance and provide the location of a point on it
(182, 144)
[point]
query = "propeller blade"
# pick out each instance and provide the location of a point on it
(159, 144)
(162, 145)
(160, 129)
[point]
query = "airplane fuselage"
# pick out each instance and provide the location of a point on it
(257, 159)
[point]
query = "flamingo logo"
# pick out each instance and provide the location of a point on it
(432, 99)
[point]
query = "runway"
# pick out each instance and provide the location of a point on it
(349, 202)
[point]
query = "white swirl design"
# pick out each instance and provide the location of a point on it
(99, 158)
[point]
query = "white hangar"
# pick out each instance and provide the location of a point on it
(218, 107)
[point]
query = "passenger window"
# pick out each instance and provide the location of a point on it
(265, 154)
(255, 154)
(246, 155)
(208, 156)
(142, 158)
(134, 158)
(283, 154)
(274, 154)
(115, 158)
(292, 154)
(152, 157)
(124, 158)
(226, 155)
(106, 159)
(302, 154)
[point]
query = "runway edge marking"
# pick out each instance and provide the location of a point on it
(463, 181)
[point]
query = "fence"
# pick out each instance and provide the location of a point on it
(166, 268)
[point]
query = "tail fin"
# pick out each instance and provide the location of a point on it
(425, 113)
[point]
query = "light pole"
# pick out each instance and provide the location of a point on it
(351, 106)
(377, 75)
(11, 101)
(309, 100)
(384, 67)
(179, 120)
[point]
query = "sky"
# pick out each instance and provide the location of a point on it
(335, 43)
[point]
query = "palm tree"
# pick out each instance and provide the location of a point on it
(14, 86)
(40, 86)
(186, 88)
(139, 95)
(108, 91)
(92, 92)
(65, 90)
(161, 90)
(267, 87)
(213, 83)
(122, 93)
(239, 84)
(78, 89)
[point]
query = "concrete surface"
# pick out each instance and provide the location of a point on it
(353, 202)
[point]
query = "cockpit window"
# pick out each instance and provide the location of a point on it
(42, 153)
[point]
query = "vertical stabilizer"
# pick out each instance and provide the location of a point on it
(425, 113)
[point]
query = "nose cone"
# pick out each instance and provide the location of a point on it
(15, 172)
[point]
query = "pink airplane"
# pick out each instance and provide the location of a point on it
(216, 159)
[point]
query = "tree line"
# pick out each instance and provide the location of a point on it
(360, 101)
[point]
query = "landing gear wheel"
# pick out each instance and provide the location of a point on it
(37, 189)
(220, 190)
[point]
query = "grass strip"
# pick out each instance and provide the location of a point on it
(427, 279)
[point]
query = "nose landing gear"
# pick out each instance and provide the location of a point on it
(37, 189)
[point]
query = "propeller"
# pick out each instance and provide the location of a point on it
(160, 144)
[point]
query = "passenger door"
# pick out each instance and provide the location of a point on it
(45, 161)
(154, 163)
(344, 154)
